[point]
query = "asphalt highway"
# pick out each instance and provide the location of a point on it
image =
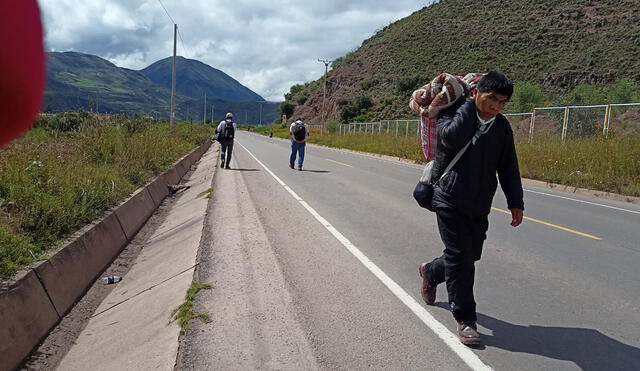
(560, 292)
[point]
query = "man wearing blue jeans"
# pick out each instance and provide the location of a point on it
(299, 133)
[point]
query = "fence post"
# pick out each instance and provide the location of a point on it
(532, 124)
(607, 117)
(387, 126)
(565, 122)
(406, 129)
(396, 127)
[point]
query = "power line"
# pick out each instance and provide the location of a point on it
(184, 46)
(165, 10)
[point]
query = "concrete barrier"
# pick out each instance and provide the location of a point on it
(27, 317)
(171, 176)
(180, 168)
(68, 274)
(158, 190)
(134, 212)
(35, 303)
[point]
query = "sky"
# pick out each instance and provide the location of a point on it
(267, 45)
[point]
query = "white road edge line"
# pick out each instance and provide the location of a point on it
(585, 202)
(467, 356)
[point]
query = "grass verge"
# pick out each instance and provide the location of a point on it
(71, 168)
(184, 313)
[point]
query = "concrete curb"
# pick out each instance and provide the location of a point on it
(27, 316)
(38, 300)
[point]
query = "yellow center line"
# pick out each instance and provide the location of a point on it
(552, 225)
(338, 162)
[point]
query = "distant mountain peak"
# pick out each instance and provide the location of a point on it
(195, 78)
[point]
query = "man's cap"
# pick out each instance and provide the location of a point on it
(229, 115)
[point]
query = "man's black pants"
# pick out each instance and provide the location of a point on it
(226, 147)
(463, 237)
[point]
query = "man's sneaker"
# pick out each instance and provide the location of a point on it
(300, 168)
(468, 333)
(427, 290)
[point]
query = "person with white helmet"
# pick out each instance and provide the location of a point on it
(226, 132)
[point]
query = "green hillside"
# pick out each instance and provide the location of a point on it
(77, 81)
(558, 44)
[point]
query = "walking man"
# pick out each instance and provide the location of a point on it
(299, 133)
(226, 132)
(463, 196)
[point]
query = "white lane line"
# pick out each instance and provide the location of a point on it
(467, 356)
(338, 162)
(584, 202)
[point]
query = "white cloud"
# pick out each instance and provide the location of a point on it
(267, 46)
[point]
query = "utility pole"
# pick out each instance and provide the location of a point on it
(173, 81)
(324, 96)
(204, 118)
(212, 112)
(246, 122)
(260, 113)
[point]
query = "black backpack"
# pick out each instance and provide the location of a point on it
(228, 132)
(299, 132)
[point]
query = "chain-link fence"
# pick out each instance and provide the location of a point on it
(571, 122)
(392, 127)
(568, 122)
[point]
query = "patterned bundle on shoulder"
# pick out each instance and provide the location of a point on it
(440, 93)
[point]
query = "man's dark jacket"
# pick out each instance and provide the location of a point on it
(470, 186)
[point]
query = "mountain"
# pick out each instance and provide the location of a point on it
(556, 43)
(78, 81)
(195, 78)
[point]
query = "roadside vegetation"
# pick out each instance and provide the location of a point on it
(70, 169)
(609, 165)
(184, 313)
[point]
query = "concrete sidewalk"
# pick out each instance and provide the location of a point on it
(131, 329)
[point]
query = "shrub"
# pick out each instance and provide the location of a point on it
(332, 125)
(525, 96)
(286, 108)
(406, 85)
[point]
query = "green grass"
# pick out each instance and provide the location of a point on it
(184, 313)
(208, 193)
(609, 165)
(70, 170)
(84, 83)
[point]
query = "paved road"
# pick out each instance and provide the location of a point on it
(560, 292)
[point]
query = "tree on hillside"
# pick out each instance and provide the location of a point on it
(525, 96)
(286, 108)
